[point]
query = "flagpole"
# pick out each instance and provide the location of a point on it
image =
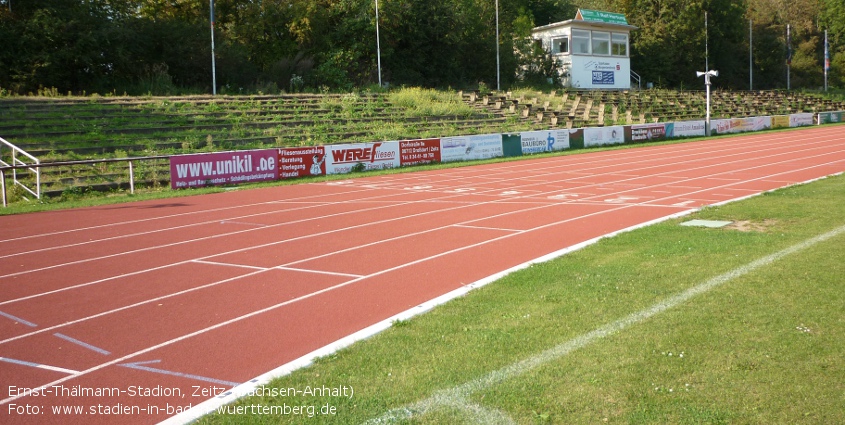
(750, 55)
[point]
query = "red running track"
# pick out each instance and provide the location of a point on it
(209, 292)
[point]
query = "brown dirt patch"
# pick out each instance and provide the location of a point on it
(752, 226)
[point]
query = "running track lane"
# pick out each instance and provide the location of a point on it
(207, 292)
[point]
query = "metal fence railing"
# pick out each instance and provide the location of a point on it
(37, 166)
(19, 161)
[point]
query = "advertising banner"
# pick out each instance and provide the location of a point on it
(648, 132)
(739, 125)
(686, 129)
(544, 141)
(413, 152)
(599, 72)
(300, 162)
(780, 121)
(603, 78)
(342, 159)
(465, 148)
(210, 169)
(600, 136)
(830, 117)
(823, 118)
(798, 120)
(511, 145)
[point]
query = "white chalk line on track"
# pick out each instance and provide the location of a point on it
(459, 397)
(403, 203)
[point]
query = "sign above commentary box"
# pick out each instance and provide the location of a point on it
(599, 16)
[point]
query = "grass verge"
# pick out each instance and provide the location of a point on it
(762, 348)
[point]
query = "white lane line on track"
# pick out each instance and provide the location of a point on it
(217, 263)
(466, 226)
(38, 366)
(295, 269)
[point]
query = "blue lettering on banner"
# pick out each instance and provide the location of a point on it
(603, 77)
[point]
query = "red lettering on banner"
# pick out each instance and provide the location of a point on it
(369, 154)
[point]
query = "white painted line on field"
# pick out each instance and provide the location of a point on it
(459, 397)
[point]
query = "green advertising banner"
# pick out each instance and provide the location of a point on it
(512, 145)
(576, 138)
(599, 16)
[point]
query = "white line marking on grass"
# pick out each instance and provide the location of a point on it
(459, 397)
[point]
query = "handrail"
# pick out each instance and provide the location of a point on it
(638, 79)
(22, 165)
(38, 166)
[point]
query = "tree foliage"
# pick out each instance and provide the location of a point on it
(163, 46)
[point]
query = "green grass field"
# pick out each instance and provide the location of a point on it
(648, 327)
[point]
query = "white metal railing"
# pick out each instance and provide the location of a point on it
(39, 165)
(636, 77)
(18, 162)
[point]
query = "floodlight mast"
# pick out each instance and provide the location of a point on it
(213, 65)
(707, 76)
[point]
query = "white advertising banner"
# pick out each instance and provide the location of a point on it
(798, 120)
(599, 72)
(544, 141)
(686, 129)
(600, 136)
(466, 148)
(341, 159)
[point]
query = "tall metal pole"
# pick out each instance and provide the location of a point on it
(378, 47)
(213, 65)
(788, 56)
(707, 75)
(826, 59)
(707, 119)
(498, 72)
(706, 43)
(750, 55)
